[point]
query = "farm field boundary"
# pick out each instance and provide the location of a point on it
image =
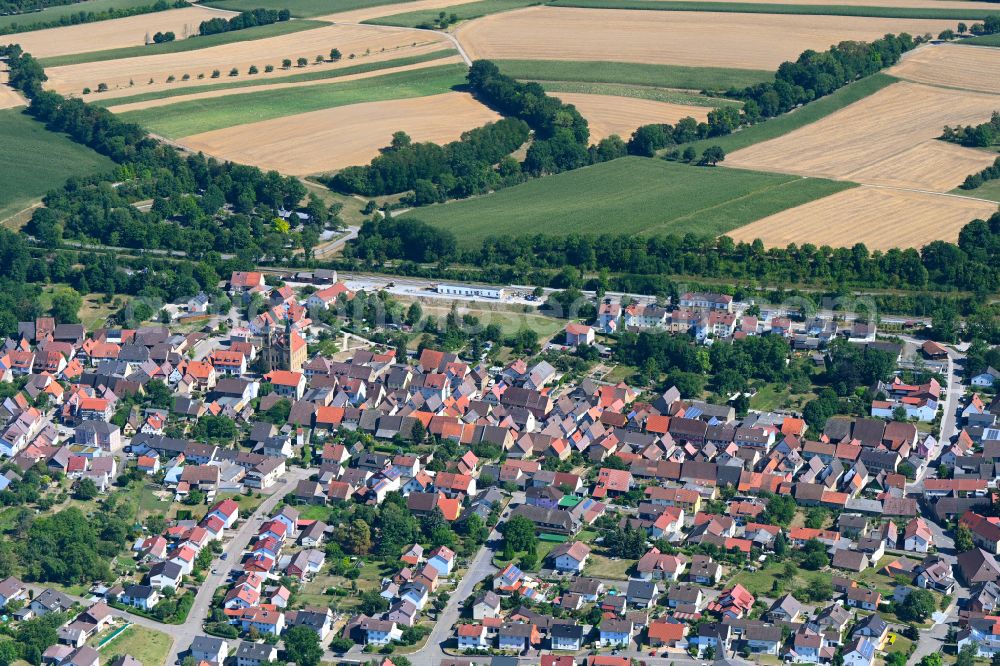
(464, 12)
(198, 116)
(301, 8)
(781, 8)
(189, 44)
(660, 76)
(305, 77)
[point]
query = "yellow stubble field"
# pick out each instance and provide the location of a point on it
(889, 138)
(704, 39)
(331, 139)
(131, 76)
(117, 33)
(880, 218)
(607, 114)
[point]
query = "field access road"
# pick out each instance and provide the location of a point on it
(182, 635)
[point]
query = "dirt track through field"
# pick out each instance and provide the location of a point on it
(165, 101)
(117, 33)
(332, 139)
(754, 41)
(888, 138)
(367, 43)
(607, 115)
(954, 66)
(881, 218)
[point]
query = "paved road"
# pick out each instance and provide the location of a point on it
(238, 542)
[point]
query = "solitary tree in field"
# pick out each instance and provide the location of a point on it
(286, 63)
(712, 156)
(268, 69)
(253, 69)
(234, 72)
(319, 59)
(335, 55)
(302, 62)
(102, 87)
(962, 28)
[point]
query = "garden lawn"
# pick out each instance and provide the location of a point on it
(662, 76)
(56, 13)
(189, 44)
(464, 12)
(148, 646)
(800, 117)
(300, 8)
(599, 566)
(781, 8)
(761, 582)
(203, 115)
(35, 160)
(631, 195)
(293, 78)
(509, 322)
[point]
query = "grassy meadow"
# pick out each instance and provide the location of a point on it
(300, 8)
(464, 12)
(632, 195)
(638, 92)
(631, 73)
(304, 77)
(56, 13)
(204, 115)
(35, 160)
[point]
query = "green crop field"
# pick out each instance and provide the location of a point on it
(778, 8)
(56, 13)
(640, 92)
(661, 76)
(204, 115)
(300, 8)
(293, 78)
(983, 40)
(799, 117)
(189, 44)
(464, 12)
(632, 195)
(35, 160)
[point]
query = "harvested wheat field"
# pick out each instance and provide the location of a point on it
(117, 33)
(367, 43)
(746, 41)
(952, 65)
(208, 94)
(607, 114)
(878, 217)
(879, 140)
(344, 136)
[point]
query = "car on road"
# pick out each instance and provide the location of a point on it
(225, 556)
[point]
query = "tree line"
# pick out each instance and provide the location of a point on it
(475, 163)
(200, 205)
(480, 160)
(975, 180)
(813, 75)
(983, 135)
(89, 16)
(972, 264)
(248, 19)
